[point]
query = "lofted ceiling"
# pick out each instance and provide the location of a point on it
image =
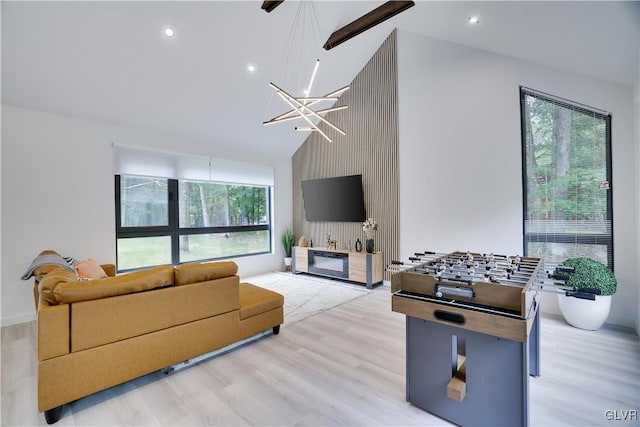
(109, 61)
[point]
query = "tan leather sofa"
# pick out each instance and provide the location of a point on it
(94, 334)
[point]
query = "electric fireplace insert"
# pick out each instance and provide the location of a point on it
(333, 264)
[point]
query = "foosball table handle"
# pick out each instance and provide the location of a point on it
(594, 291)
(447, 316)
(581, 295)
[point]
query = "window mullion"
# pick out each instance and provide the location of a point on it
(174, 209)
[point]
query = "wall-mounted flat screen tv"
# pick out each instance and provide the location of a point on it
(338, 199)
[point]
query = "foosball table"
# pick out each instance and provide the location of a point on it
(472, 332)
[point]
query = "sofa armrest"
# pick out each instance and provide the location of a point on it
(110, 269)
(53, 330)
(36, 294)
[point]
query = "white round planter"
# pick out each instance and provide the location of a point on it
(583, 313)
(287, 261)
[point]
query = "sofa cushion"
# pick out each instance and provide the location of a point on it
(255, 300)
(83, 290)
(107, 320)
(201, 272)
(90, 269)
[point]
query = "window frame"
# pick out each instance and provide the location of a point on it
(578, 238)
(174, 231)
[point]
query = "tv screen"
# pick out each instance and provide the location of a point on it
(338, 199)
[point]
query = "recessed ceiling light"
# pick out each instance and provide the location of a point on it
(169, 32)
(251, 68)
(473, 20)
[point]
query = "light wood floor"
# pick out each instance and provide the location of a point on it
(345, 366)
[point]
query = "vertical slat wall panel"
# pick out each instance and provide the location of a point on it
(370, 148)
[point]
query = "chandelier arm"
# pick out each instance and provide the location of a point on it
(313, 113)
(281, 118)
(293, 114)
(338, 92)
(331, 96)
(286, 99)
(303, 99)
(316, 100)
(313, 77)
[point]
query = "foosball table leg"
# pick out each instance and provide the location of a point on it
(489, 387)
(534, 347)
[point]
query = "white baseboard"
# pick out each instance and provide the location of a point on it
(14, 320)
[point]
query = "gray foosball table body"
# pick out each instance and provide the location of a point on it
(497, 373)
(472, 334)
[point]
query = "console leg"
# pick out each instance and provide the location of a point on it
(276, 330)
(53, 415)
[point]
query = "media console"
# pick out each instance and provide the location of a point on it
(360, 267)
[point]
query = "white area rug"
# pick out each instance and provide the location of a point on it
(306, 295)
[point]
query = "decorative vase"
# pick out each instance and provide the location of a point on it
(358, 245)
(585, 314)
(369, 234)
(370, 245)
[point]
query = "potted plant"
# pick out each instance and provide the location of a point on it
(288, 240)
(589, 279)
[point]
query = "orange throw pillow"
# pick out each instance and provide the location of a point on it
(90, 269)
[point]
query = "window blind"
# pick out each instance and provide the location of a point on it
(568, 209)
(144, 162)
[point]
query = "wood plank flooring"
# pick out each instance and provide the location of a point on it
(345, 366)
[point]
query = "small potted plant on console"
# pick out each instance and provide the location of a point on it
(288, 240)
(589, 285)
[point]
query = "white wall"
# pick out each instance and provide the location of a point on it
(58, 193)
(460, 154)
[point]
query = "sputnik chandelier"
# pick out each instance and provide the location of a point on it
(301, 106)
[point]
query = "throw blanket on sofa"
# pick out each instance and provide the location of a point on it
(41, 260)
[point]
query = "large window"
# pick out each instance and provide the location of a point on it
(171, 221)
(566, 178)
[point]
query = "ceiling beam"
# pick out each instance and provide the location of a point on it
(365, 22)
(268, 6)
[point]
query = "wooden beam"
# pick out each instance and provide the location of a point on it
(365, 22)
(268, 6)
